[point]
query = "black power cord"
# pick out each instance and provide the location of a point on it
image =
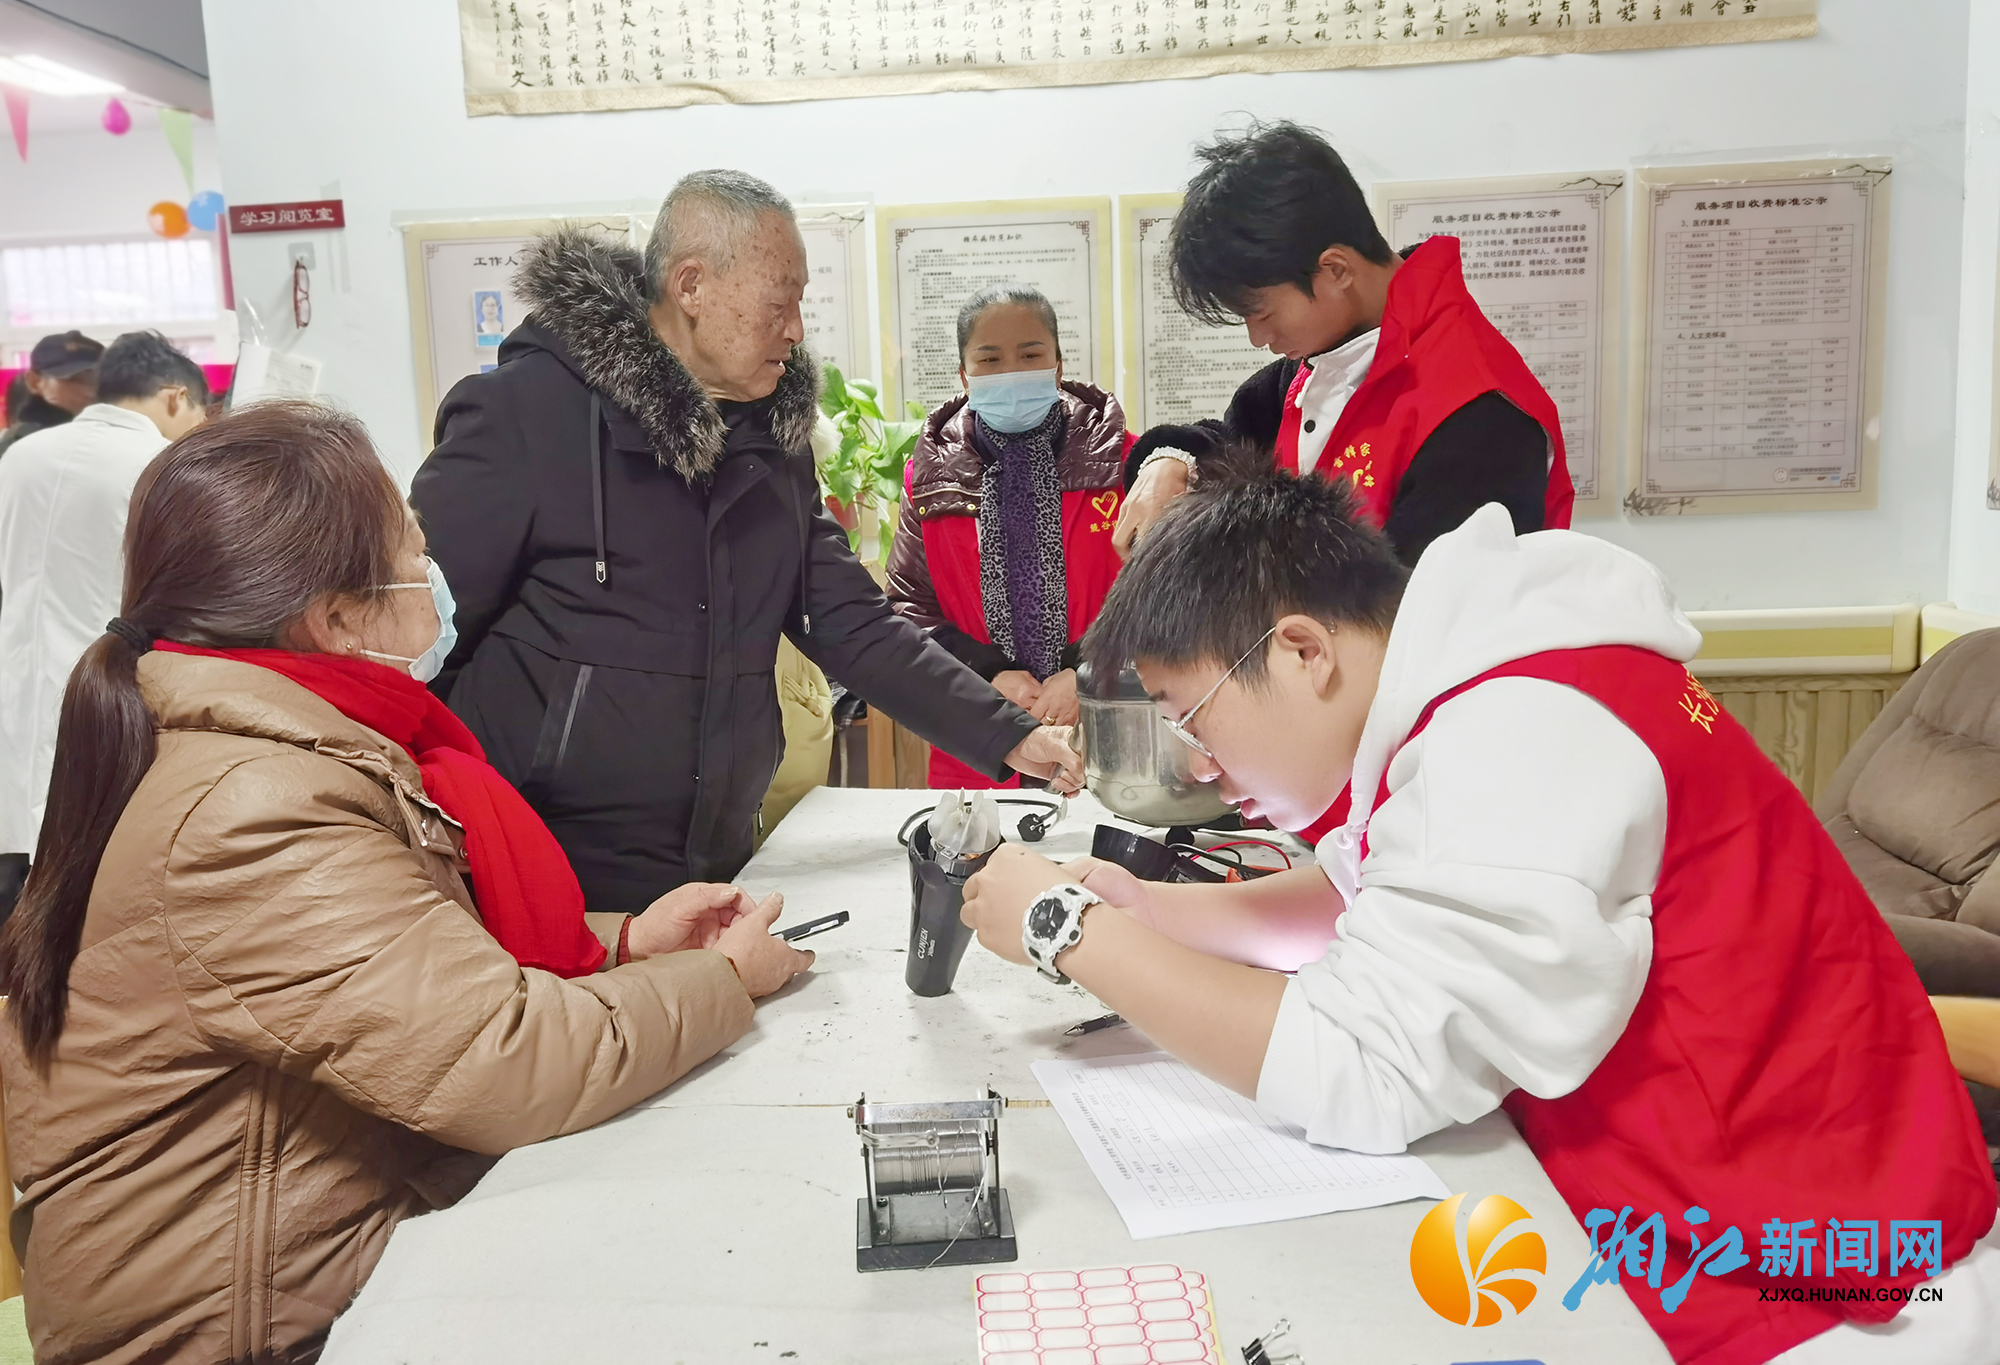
(1043, 816)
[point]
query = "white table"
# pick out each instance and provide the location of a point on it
(715, 1222)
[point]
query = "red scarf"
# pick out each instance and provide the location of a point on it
(528, 895)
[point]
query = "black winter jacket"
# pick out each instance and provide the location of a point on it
(625, 554)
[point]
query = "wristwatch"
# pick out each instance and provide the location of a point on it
(1054, 922)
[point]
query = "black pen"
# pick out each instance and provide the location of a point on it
(813, 926)
(1092, 1025)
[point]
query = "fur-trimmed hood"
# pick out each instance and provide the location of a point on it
(590, 293)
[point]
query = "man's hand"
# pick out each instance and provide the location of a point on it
(1115, 884)
(998, 896)
(1046, 754)
(1057, 703)
(690, 916)
(1018, 685)
(1158, 485)
(762, 963)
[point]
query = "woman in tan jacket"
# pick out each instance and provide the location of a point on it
(255, 1017)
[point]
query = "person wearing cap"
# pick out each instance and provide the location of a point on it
(63, 495)
(62, 382)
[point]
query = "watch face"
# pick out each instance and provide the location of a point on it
(1045, 917)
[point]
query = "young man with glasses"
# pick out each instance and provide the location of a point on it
(1569, 885)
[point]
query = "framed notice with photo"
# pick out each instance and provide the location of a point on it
(462, 298)
(936, 256)
(1544, 259)
(1757, 318)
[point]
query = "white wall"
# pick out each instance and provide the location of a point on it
(86, 184)
(1974, 579)
(80, 183)
(365, 97)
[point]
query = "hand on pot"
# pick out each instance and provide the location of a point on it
(1157, 486)
(1057, 703)
(1046, 754)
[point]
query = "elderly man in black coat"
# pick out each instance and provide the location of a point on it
(627, 512)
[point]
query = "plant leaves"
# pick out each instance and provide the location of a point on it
(833, 391)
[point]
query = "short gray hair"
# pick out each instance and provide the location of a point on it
(1010, 292)
(706, 217)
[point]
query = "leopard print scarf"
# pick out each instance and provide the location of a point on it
(1021, 575)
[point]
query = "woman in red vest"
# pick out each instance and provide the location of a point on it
(1390, 378)
(1004, 549)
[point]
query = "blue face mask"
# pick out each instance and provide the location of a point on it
(430, 663)
(1012, 402)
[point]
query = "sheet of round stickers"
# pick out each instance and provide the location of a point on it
(1119, 1315)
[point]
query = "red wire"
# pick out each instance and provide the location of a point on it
(1253, 843)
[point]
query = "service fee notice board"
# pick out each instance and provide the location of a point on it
(1542, 260)
(1757, 322)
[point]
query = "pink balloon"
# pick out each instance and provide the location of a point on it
(117, 118)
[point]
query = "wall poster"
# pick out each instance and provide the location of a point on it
(462, 296)
(1176, 368)
(935, 256)
(1757, 324)
(1543, 256)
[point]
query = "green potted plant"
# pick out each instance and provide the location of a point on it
(864, 471)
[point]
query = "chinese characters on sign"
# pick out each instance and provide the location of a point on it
(550, 56)
(319, 215)
(934, 258)
(834, 308)
(1177, 368)
(1787, 1250)
(1757, 336)
(1537, 260)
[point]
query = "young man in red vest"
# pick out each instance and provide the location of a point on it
(1391, 377)
(1569, 886)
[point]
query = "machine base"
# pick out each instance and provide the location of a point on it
(913, 1231)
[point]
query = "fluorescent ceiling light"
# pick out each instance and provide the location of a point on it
(45, 77)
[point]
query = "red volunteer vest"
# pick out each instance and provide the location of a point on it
(951, 550)
(1437, 352)
(1783, 1063)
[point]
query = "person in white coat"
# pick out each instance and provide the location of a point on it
(63, 497)
(1570, 887)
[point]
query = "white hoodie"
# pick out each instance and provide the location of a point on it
(1499, 934)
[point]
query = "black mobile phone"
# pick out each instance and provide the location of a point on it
(813, 926)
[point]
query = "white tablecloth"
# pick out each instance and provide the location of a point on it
(715, 1223)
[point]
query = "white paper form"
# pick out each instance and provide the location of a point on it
(936, 257)
(1538, 261)
(1757, 336)
(1178, 368)
(1178, 1153)
(835, 306)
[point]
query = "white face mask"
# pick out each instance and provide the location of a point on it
(431, 662)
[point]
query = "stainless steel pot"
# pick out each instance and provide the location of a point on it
(1133, 763)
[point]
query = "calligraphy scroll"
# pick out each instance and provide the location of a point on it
(565, 56)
